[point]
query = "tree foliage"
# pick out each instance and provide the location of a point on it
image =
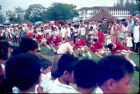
(134, 5)
(35, 13)
(16, 16)
(2, 17)
(60, 11)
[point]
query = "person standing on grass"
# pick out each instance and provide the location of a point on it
(136, 36)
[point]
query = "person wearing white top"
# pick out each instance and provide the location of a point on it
(136, 36)
(65, 67)
(66, 48)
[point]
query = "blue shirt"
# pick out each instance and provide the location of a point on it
(132, 24)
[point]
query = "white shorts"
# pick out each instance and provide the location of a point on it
(123, 52)
(43, 40)
(101, 51)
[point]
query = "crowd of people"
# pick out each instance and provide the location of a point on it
(23, 70)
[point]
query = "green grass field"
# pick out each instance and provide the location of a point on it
(46, 53)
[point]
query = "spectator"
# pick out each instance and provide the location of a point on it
(65, 75)
(104, 26)
(22, 71)
(114, 77)
(85, 75)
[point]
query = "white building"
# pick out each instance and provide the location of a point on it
(88, 12)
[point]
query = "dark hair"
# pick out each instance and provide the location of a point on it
(1, 38)
(85, 73)
(110, 45)
(133, 14)
(22, 70)
(113, 67)
(28, 44)
(4, 50)
(45, 63)
(66, 63)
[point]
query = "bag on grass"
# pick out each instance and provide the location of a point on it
(122, 36)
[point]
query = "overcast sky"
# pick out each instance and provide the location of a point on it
(11, 4)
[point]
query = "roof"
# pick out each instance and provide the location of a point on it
(101, 7)
(100, 15)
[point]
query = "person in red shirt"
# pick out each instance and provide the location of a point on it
(98, 48)
(118, 49)
(81, 46)
(100, 35)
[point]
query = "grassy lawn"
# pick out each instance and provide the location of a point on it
(46, 53)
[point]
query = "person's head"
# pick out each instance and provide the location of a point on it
(28, 45)
(115, 73)
(91, 28)
(5, 50)
(77, 39)
(23, 71)
(65, 67)
(136, 22)
(45, 65)
(100, 29)
(85, 74)
(103, 20)
(1, 39)
(129, 34)
(71, 42)
(111, 46)
(129, 18)
(134, 16)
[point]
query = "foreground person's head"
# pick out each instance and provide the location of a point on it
(115, 73)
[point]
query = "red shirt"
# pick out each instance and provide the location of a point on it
(118, 47)
(97, 45)
(101, 36)
(30, 35)
(39, 37)
(81, 42)
(57, 41)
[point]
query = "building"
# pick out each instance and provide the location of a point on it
(118, 12)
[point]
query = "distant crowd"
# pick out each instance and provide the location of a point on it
(23, 70)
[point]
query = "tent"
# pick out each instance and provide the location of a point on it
(38, 23)
(100, 15)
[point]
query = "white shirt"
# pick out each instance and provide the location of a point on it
(64, 48)
(98, 90)
(57, 87)
(136, 34)
(63, 32)
(46, 82)
(83, 31)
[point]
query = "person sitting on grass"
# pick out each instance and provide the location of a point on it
(118, 49)
(27, 45)
(65, 69)
(22, 71)
(114, 75)
(85, 75)
(98, 48)
(82, 48)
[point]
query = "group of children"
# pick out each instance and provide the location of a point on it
(26, 72)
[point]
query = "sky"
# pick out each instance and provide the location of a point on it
(11, 4)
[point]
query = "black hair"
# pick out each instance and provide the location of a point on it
(91, 27)
(28, 44)
(66, 63)
(113, 67)
(22, 70)
(85, 73)
(103, 19)
(95, 39)
(133, 14)
(1, 38)
(4, 50)
(45, 63)
(110, 45)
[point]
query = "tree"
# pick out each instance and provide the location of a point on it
(60, 11)
(35, 13)
(16, 16)
(2, 17)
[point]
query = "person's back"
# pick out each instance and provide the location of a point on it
(85, 75)
(115, 73)
(23, 71)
